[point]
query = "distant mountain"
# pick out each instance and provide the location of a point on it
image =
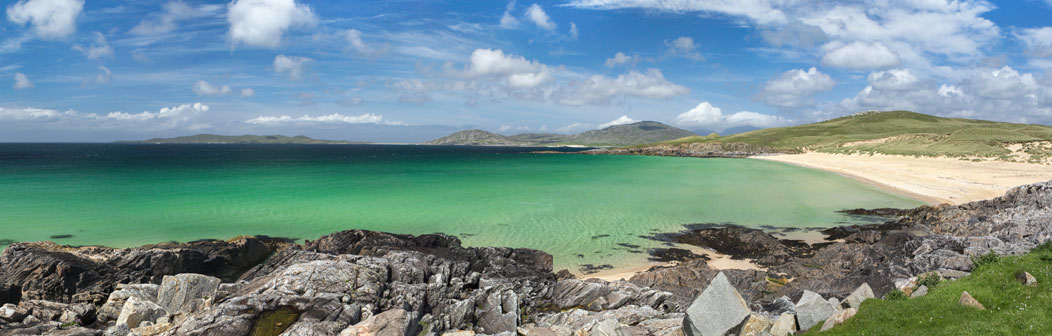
(476, 137)
(642, 132)
(241, 139)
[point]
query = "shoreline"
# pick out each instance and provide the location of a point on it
(930, 180)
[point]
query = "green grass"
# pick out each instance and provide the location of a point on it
(908, 133)
(1011, 308)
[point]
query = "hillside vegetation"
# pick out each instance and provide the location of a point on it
(1011, 307)
(903, 133)
(642, 132)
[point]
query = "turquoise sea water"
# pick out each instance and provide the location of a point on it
(126, 195)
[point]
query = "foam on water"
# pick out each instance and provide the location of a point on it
(127, 195)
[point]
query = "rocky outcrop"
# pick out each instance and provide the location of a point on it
(718, 310)
(48, 271)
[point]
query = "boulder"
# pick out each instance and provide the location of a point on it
(112, 308)
(459, 333)
(498, 313)
(1026, 279)
(838, 318)
(862, 293)
(135, 311)
(10, 313)
(785, 324)
(607, 327)
(919, 292)
(756, 325)
(812, 309)
(968, 301)
(717, 310)
(187, 292)
(393, 322)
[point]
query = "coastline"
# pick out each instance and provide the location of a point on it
(931, 180)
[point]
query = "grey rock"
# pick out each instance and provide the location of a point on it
(117, 330)
(838, 318)
(717, 310)
(1024, 278)
(112, 308)
(498, 313)
(606, 327)
(862, 293)
(534, 330)
(10, 313)
(919, 292)
(785, 324)
(393, 322)
(136, 311)
(756, 325)
(812, 309)
(187, 292)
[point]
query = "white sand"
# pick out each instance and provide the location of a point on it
(933, 180)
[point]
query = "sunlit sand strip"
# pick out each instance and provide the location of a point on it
(716, 261)
(933, 180)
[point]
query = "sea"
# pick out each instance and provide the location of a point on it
(588, 211)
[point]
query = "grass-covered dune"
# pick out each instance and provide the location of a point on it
(901, 133)
(1011, 307)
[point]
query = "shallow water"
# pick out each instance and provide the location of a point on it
(582, 209)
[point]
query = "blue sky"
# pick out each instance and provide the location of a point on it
(394, 71)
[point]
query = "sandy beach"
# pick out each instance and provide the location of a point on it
(933, 180)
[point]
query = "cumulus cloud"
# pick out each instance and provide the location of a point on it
(619, 59)
(894, 79)
(335, 118)
(263, 22)
(859, 56)
(358, 46)
(599, 89)
(292, 66)
(202, 88)
(173, 115)
(29, 113)
(247, 92)
(99, 48)
(683, 46)
(515, 71)
(171, 13)
(619, 121)
(508, 20)
(1038, 41)
(761, 11)
(50, 19)
(537, 15)
(794, 88)
(166, 118)
(708, 116)
(22, 82)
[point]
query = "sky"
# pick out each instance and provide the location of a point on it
(408, 71)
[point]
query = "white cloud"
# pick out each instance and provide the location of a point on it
(602, 89)
(263, 22)
(859, 55)
(104, 76)
(683, 46)
(50, 19)
(537, 15)
(29, 113)
(356, 44)
(574, 33)
(22, 82)
(334, 118)
(761, 11)
(794, 88)
(247, 92)
(894, 79)
(1004, 83)
(292, 66)
(1038, 41)
(172, 12)
(174, 114)
(516, 71)
(99, 48)
(619, 59)
(574, 128)
(202, 88)
(708, 116)
(619, 121)
(508, 20)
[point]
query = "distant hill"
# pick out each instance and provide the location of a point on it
(618, 135)
(240, 139)
(902, 133)
(476, 137)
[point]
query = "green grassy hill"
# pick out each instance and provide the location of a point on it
(1011, 307)
(902, 133)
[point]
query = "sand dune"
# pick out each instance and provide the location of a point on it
(934, 180)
